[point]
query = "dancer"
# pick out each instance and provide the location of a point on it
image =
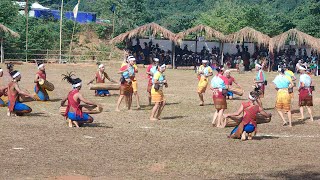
(157, 93)
(219, 86)
(151, 70)
(2, 91)
(248, 125)
(204, 73)
(260, 82)
(283, 101)
(230, 81)
(305, 92)
(135, 84)
(41, 75)
(74, 112)
(290, 75)
(100, 77)
(14, 106)
(127, 75)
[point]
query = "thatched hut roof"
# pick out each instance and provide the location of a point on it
(151, 28)
(209, 32)
(249, 34)
(299, 37)
(4, 29)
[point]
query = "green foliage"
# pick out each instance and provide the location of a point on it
(8, 12)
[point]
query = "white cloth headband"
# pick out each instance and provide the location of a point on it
(101, 66)
(1, 70)
(156, 59)
(132, 59)
(16, 75)
(40, 66)
(251, 98)
(76, 85)
(163, 66)
(302, 68)
(204, 61)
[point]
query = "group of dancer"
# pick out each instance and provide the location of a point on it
(284, 84)
(220, 86)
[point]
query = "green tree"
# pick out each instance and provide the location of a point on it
(8, 12)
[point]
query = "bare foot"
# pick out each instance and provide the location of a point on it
(154, 119)
(243, 136)
(76, 123)
(70, 123)
(250, 136)
(301, 118)
(201, 104)
(285, 124)
(138, 107)
(311, 118)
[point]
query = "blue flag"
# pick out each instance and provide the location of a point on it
(113, 8)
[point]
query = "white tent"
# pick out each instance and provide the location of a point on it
(36, 5)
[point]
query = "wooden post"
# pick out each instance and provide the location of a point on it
(27, 27)
(1, 50)
(173, 55)
(61, 13)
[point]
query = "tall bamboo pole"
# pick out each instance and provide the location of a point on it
(61, 13)
(26, 11)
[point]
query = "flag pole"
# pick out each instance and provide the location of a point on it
(113, 22)
(61, 13)
(26, 11)
(74, 25)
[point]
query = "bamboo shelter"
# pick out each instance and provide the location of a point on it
(301, 38)
(208, 33)
(248, 34)
(5, 30)
(151, 28)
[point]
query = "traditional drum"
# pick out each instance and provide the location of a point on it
(46, 85)
(236, 90)
(23, 98)
(105, 86)
(85, 109)
(234, 121)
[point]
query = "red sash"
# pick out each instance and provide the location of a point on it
(250, 113)
(42, 75)
(74, 104)
(12, 96)
(99, 79)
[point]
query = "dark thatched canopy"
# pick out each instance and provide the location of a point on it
(248, 34)
(208, 32)
(299, 37)
(5, 29)
(151, 28)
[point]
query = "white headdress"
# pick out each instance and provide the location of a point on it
(101, 66)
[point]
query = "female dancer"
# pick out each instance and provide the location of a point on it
(157, 93)
(74, 112)
(248, 125)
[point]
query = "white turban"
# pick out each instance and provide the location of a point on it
(163, 66)
(16, 75)
(156, 59)
(1, 70)
(76, 85)
(204, 61)
(40, 66)
(101, 66)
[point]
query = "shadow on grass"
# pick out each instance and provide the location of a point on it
(173, 103)
(100, 125)
(264, 137)
(173, 117)
(35, 114)
(299, 122)
(55, 100)
(300, 172)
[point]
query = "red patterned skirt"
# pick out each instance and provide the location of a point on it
(126, 89)
(219, 99)
(305, 97)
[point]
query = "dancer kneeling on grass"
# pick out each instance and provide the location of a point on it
(100, 77)
(248, 125)
(14, 106)
(73, 112)
(219, 87)
(41, 75)
(157, 93)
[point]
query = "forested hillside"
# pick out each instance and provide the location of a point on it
(269, 16)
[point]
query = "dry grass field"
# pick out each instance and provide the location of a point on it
(126, 145)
